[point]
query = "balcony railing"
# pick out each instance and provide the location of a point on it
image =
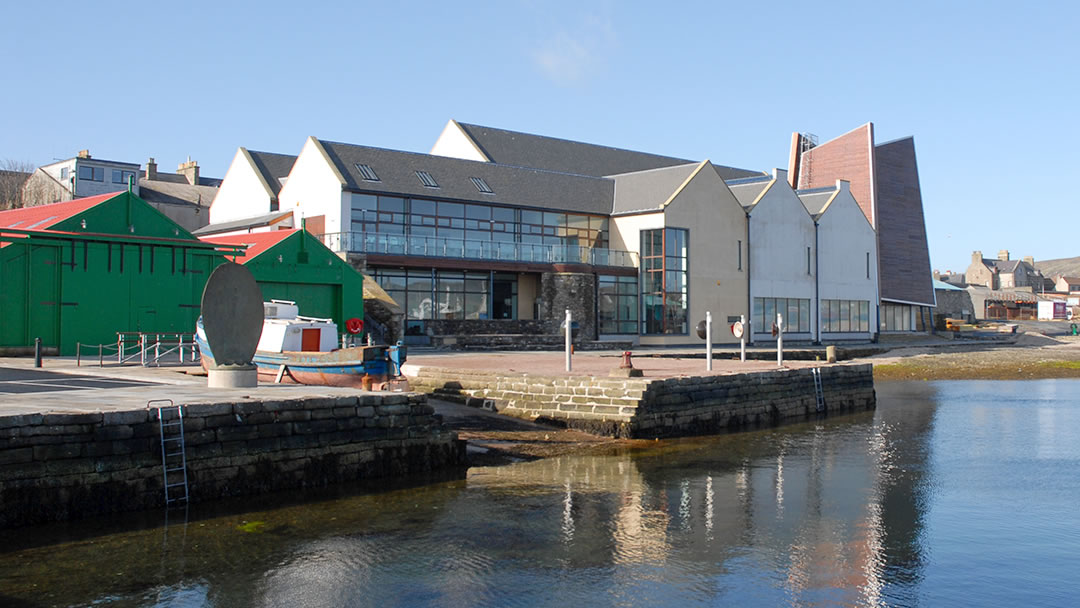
(463, 249)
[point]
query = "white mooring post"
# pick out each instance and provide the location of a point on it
(742, 338)
(708, 340)
(568, 344)
(779, 340)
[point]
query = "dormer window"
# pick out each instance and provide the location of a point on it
(367, 173)
(481, 185)
(426, 179)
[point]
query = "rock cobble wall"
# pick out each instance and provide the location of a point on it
(647, 408)
(65, 466)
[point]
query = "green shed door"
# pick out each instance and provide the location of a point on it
(44, 291)
(322, 301)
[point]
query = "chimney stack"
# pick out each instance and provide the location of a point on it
(151, 169)
(190, 170)
(84, 153)
(1030, 260)
(1003, 255)
(976, 257)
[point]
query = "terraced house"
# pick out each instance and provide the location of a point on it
(497, 232)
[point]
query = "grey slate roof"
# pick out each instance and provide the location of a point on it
(1002, 265)
(510, 185)
(566, 156)
(273, 167)
(177, 192)
(814, 200)
(746, 192)
(176, 178)
(647, 190)
(247, 222)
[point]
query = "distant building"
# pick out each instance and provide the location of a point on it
(184, 196)
(1067, 284)
(1003, 272)
(79, 177)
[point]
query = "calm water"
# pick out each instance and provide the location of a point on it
(950, 494)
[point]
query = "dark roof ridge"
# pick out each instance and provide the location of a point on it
(574, 141)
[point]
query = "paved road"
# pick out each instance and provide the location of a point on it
(20, 380)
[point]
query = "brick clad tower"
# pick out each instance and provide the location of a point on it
(885, 182)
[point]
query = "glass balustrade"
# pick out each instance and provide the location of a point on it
(465, 249)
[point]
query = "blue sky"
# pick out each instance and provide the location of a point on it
(989, 90)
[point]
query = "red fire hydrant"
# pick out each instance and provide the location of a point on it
(626, 364)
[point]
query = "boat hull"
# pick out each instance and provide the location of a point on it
(357, 367)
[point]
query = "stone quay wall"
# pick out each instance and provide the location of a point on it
(648, 408)
(55, 467)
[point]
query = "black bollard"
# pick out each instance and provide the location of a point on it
(37, 352)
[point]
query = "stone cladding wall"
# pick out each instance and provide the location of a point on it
(66, 466)
(647, 408)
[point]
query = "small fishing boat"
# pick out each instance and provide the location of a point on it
(304, 350)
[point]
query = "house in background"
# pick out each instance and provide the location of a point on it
(884, 180)
(184, 196)
(79, 177)
(1067, 284)
(1003, 272)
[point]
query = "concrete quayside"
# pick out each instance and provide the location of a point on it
(69, 454)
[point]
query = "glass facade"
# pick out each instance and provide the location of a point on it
(796, 313)
(457, 224)
(617, 304)
(838, 316)
(664, 263)
(426, 294)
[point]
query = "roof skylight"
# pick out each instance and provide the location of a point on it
(481, 185)
(426, 179)
(367, 173)
(38, 223)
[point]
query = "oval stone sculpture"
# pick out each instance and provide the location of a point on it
(232, 313)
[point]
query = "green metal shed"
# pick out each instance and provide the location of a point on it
(294, 265)
(83, 270)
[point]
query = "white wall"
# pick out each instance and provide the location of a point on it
(85, 187)
(314, 189)
(242, 193)
(453, 142)
(716, 223)
(781, 232)
(624, 232)
(844, 239)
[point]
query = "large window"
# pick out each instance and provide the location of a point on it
(664, 258)
(795, 311)
(425, 294)
(838, 316)
(617, 304)
(93, 174)
(896, 317)
(476, 222)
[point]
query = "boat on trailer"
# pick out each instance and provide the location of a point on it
(294, 349)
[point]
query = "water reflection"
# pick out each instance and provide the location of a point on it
(910, 505)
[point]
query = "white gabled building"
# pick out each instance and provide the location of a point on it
(847, 284)
(251, 186)
(783, 257)
(689, 232)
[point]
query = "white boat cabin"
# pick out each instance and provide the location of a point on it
(284, 330)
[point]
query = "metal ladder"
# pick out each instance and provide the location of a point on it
(818, 391)
(173, 450)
